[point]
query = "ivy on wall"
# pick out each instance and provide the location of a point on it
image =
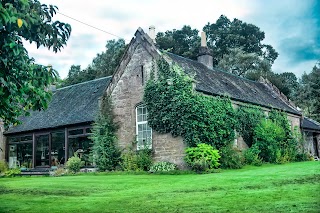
(248, 117)
(174, 107)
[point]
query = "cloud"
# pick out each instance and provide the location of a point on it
(291, 26)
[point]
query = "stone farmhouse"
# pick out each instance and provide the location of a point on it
(47, 138)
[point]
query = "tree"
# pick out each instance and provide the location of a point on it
(308, 95)
(224, 35)
(184, 42)
(241, 63)
(23, 82)
(104, 64)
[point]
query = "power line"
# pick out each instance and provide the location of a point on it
(89, 25)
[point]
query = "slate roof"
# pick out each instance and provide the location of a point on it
(69, 105)
(310, 124)
(217, 82)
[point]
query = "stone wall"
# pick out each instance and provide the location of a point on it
(2, 142)
(127, 93)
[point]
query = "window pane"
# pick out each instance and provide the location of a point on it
(76, 132)
(57, 149)
(144, 132)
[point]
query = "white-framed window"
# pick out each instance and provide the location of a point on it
(143, 131)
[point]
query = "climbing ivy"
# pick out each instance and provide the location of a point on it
(248, 118)
(174, 107)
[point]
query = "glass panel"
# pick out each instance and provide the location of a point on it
(144, 132)
(26, 138)
(20, 155)
(42, 150)
(76, 132)
(88, 130)
(82, 147)
(57, 148)
(13, 139)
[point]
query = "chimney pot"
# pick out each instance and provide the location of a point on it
(205, 54)
(203, 39)
(152, 33)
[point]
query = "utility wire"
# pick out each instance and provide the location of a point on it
(90, 25)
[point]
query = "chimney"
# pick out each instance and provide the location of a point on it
(152, 33)
(205, 55)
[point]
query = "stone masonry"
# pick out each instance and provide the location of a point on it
(127, 92)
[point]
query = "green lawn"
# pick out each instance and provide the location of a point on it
(291, 187)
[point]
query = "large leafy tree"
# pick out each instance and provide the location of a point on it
(242, 63)
(184, 42)
(23, 82)
(104, 64)
(308, 95)
(225, 35)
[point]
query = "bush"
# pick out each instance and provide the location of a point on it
(251, 156)
(136, 160)
(202, 158)
(3, 166)
(105, 151)
(12, 172)
(163, 167)
(231, 158)
(59, 172)
(270, 138)
(74, 164)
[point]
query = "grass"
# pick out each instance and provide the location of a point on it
(290, 187)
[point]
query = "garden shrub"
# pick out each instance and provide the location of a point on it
(12, 172)
(163, 167)
(251, 156)
(140, 160)
(231, 158)
(105, 152)
(269, 138)
(202, 158)
(74, 164)
(3, 166)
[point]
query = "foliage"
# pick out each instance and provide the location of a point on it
(74, 164)
(59, 172)
(105, 152)
(12, 172)
(184, 42)
(242, 63)
(104, 64)
(248, 118)
(202, 158)
(225, 35)
(269, 137)
(202, 119)
(23, 82)
(140, 160)
(3, 166)
(308, 94)
(231, 158)
(251, 156)
(163, 166)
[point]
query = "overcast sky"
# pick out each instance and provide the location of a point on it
(292, 27)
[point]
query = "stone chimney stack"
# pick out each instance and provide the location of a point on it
(152, 33)
(205, 55)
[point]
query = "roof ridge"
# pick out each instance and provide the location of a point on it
(85, 82)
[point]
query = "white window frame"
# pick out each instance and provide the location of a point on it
(139, 145)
